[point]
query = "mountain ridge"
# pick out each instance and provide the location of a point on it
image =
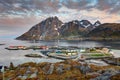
(52, 28)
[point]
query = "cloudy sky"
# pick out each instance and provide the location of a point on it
(18, 16)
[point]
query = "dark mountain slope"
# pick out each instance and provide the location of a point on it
(107, 30)
(52, 28)
(72, 28)
(47, 29)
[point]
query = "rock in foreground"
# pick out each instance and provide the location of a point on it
(66, 70)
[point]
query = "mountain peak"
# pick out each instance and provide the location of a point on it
(44, 30)
(52, 18)
(97, 23)
(85, 23)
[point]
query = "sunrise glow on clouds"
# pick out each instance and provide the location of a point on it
(17, 16)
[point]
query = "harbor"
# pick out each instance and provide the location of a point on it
(18, 56)
(69, 53)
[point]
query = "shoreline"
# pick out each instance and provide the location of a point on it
(77, 39)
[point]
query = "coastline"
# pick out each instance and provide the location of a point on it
(77, 39)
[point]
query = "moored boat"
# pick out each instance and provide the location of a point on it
(16, 48)
(33, 55)
(12, 48)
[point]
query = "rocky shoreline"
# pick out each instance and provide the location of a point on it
(66, 70)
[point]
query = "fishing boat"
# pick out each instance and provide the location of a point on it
(33, 55)
(17, 48)
(12, 48)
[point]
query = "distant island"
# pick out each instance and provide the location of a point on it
(52, 29)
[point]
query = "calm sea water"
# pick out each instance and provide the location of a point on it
(17, 57)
